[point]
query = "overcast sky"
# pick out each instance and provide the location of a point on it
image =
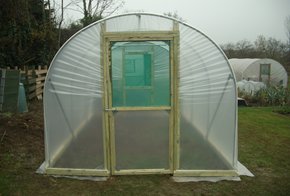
(223, 20)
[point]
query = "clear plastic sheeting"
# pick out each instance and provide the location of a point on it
(73, 104)
(207, 105)
(250, 87)
(140, 146)
(241, 170)
(139, 22)
(41, 170)
(265, 70)
(141, 71)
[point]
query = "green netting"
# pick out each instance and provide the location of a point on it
(137, 70)
(140, 73)
(9, 86)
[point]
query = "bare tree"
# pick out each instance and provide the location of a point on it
(60, 23)
(273, 47)
(59, 8)
(229, 49)
(287, 26)
(94, 10)
(245, 48)
(261, 46)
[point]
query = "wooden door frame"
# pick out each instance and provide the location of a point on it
(109, 127)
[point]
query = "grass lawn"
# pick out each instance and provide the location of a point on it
(264, 148)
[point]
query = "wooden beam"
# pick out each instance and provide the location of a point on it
(108, 102)
(76, 172)
(142, 171)
(141, 108)
(42, 71)
(34, 94)
(106, 123)
(135, 36)
(176, 97)
(172, 112)
(208, 173)
(36, 86)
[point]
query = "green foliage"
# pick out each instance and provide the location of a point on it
(270, 96)
(282, 109)
(67, 32)
(6, 114)
(94, 10)
(27, 33)
(89, 19)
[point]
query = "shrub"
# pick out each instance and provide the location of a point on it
(282, 109)
(270, 96)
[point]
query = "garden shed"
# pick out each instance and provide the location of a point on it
(140, 94)
(264, 70)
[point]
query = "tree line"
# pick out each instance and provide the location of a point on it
(32, 31)
(262, 47)
(27, 34)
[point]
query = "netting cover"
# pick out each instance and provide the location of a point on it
(140, 74)
(74, 108)
(250, 87)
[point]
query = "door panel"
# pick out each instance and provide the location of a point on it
(142, 140)
(265, 70)
(140, 109)
(140, 74)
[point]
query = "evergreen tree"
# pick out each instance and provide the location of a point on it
(27, 35)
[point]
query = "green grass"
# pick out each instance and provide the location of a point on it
(264, 139)
(264, 148)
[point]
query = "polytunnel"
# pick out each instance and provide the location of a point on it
(140, 94)
(265, 70)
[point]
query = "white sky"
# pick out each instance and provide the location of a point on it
(222, 20)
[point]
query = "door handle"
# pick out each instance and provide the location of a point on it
(110, 109)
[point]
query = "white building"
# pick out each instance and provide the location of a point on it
(265, 70)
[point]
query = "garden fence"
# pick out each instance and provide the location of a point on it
(33, 78)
